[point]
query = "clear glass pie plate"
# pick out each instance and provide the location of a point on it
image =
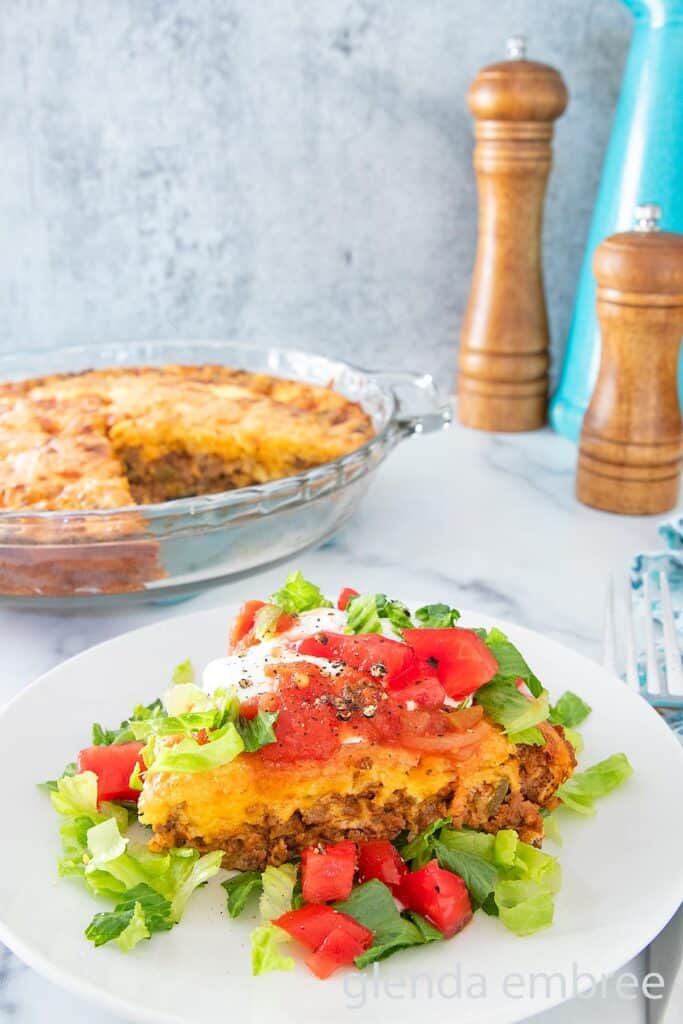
(174, 549)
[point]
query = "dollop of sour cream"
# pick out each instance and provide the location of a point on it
(247, 671)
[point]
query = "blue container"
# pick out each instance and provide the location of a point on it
(644, 164)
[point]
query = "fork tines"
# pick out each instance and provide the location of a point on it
(644, 617)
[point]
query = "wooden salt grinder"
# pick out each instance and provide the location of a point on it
(503, 360)
(631, 444)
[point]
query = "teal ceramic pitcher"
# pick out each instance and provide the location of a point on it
(644, 164)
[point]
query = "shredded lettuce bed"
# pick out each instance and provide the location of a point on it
(189, 731)
(150, 890)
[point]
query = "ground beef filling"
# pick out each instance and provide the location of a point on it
(335, 817)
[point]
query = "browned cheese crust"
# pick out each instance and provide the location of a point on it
(262, 814)
(107, 439)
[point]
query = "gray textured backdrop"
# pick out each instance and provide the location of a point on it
(288, 169)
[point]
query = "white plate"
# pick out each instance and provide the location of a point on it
(623, 877)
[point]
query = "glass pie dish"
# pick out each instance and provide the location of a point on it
(174, 549)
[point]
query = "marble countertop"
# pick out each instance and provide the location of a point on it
(487, 522)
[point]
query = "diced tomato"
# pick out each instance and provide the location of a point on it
(392, 662)
(327, 872)
(243, 622)
(462, 719)
(426, 693)
(392, 722)
(249, 708)
(113, 767)
(285, 622)
(458, 658)
(426, 730)
(307, 728)
(305, 735)
(438, 895)
(380, 859)
(344, 598)
(312, 924)
(338, 949)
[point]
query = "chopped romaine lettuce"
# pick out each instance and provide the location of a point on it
(176, 725)
(192, 711)
(511, 664)
(505, 846)
(362, 615)
(110, 925)
(396, 612)
(138, 913)
(185, 697)
(299, 595)
(190, 756)
(187, 875)
(488, 863)
(74, 836)
(478, 874)
(265, 955)
(551, 828)
(183, 673)
(524, 906)
(373, 906)
(427, 931)
(536, 866)
(580, 792)
(278, 889)
(105, 737)
(136, 930)
(533, 737)
(76, 794)
(239, 888)
(111, 866)
(479, 844)
(437, 616)
(257, 732)
(419, 850)
(575, 738)
(105, 842)
(502, 701)
(569, 711)
(50, 785)
(365, 613)
(135, 780)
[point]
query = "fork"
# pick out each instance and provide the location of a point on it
(664, 690)
(660, 684)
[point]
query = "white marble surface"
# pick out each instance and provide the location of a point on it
(487, 522)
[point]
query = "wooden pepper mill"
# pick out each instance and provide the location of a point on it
(631, 444)
(503, 360)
